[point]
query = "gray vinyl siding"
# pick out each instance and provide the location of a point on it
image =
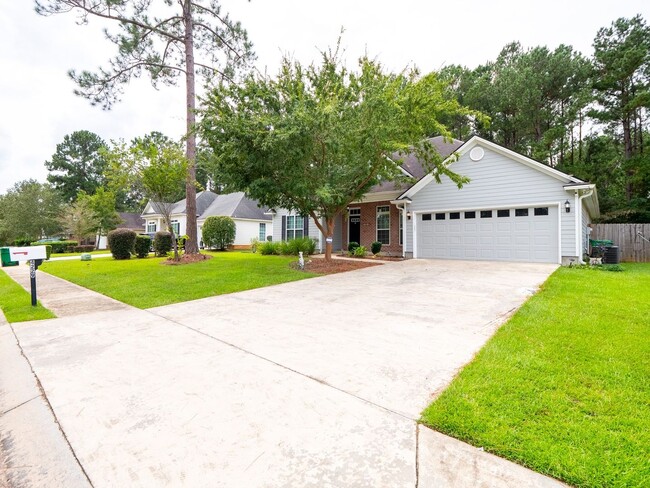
(496, 181)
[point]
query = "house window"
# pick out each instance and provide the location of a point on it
(440, 216)
(503, 213)
(521, 212)
(454, 215)
(383, 224)
(295, 227)
(470, 215)
(176, 227)
(486, 214)
(426, 216)
(151, 227)
(262, 232)
(541, 211)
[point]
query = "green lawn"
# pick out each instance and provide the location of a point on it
(146, 283)
(16, 303)
(68, 254)
(564, 386)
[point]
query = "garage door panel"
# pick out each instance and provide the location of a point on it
(514, 238)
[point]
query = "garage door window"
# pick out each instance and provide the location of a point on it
(486, 214)
(470, 215)
(521, 212)
(426, 216)
(454, 216)
(541, 211)
(440, 216)
(383, 224)
(503, 213)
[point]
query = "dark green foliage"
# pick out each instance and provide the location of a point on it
(352, 246)
(269, 248)
(162, 243)
(375, 247)
(59, 247)
(219, 232)
(48, 251)
(77, 165)
(22, 242)
(121, 243)
(142, 245)
(306, 245)
(84, 248)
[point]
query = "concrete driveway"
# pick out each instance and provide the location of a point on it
(313, 383)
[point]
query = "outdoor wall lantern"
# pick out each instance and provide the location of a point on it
(408, 215)
(567, 206)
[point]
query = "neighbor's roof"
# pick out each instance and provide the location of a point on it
(237, 206)
(413, 165)
(203, 201)
(130, 221)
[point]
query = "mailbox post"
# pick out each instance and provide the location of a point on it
(35, 255)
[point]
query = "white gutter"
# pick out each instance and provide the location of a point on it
(579, 223)
(397, 203)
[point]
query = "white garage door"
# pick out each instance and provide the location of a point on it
(515, 234)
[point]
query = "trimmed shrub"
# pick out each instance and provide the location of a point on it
(60, 246)
(352, 246)
(48, 251)
(162, 243)
(269, 248)
(375, 247)
(121, 243)
(219, 232)
(84, 248)
(359, 252)
(306, 245)
(142, 245)
(23, 243)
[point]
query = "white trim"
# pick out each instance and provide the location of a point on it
(377, 228)
(377, 197)
(576, 204)
(462, 150)
(559, 206)
(237, 218)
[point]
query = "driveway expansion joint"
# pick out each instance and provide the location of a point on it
(287, 368)
(19, 405)
(49, 406)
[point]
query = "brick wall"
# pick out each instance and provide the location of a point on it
(369, 226)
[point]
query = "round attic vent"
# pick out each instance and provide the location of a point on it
(476, 154)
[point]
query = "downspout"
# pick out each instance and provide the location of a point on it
(579, 224)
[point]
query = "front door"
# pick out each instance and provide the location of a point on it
(354, 234)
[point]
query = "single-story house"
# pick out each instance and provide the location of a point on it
(513, 209)
(251, 220)
(128, 220)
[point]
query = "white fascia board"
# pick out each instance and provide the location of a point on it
(591, 201)
(474, 141)
(377, 197)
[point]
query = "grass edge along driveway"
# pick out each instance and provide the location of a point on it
(16, 303)
(146, 283)
(564, 386)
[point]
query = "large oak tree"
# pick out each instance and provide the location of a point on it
(165, 40)
(314, 139)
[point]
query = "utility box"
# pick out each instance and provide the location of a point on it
(5, 256)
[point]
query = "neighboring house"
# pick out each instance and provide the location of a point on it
(128, 220)
(513, 209)
(251, 220)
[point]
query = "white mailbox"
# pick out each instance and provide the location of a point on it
(27, 253)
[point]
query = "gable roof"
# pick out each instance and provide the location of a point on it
(203, 200)
(412, 166)
(237, 206)
(130, 220)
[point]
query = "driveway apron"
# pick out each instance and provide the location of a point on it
(311, 383)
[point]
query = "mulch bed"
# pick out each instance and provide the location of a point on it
(334, 266)
(187, 259)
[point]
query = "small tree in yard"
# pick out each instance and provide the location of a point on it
(219, 232)
(160, 168)
(78, 220)
(316, 138)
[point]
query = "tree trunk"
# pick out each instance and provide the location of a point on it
(329, 237)
(192, 243)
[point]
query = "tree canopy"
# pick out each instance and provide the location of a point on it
(164, 40)
(77, 165)
(313, 139)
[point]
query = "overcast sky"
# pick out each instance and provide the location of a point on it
(38, 107)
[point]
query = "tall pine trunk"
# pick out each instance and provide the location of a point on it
(192, 243)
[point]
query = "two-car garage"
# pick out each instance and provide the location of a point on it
(521, 233)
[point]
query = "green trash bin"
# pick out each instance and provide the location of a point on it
(6, 260)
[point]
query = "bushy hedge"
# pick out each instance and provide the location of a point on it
(162, 243)
(142, 245)
(23, 243)
(59, 246)
(121, 243)
(84, 248)
(352, 246)
(48, 251)
(375, 247)
(269, 248)
(219, 232)
(306, 245)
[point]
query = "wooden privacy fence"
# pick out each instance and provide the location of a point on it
(626, 236)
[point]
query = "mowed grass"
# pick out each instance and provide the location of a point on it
(146, 283)
(16, 303)
(564, 387)
(72, 254)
